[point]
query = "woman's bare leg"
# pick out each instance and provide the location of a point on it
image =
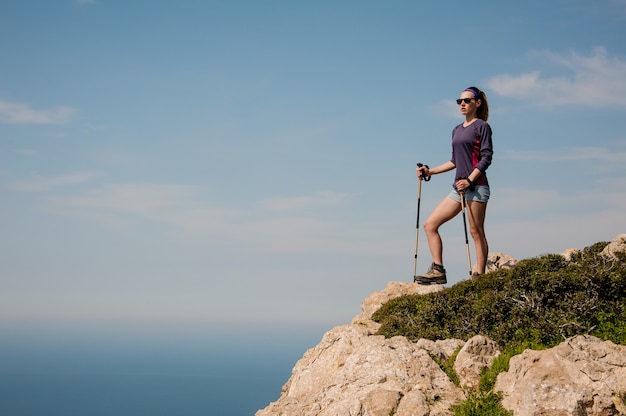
(445, 211)
(476, 212)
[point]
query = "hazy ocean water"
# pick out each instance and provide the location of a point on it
(185, 370)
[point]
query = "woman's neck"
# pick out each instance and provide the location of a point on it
(469, 120)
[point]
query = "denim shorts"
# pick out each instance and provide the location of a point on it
(480, 194)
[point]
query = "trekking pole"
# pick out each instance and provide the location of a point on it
(417, 226)
(469, 261)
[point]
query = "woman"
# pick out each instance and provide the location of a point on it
(472, 150)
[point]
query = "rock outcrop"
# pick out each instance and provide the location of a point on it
(581, 376)
(477, 353)
(353, 372)
(496, 261)
(618, 245)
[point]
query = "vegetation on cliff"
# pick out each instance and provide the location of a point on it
(536, 304)
(539, 302)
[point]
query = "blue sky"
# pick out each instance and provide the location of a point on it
(254, 161)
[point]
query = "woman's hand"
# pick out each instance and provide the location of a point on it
(463, 184)
(422, 172)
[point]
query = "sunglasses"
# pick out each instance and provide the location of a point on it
(464, 100)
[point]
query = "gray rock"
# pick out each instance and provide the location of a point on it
(581, 376)
(353, 372)
(618, 245)
(477, 353)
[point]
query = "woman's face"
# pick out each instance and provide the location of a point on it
(471, 107)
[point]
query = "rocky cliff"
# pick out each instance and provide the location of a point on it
(354, 372)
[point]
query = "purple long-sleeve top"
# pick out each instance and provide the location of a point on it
(472, 148)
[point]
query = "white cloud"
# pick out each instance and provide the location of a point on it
(555, 233)
(515, 85)
(186, 210)
(599, 154)
(19, 113)
(178, 205)
(527, 222)
(45, 183)
(26, 152)
(315, 200)
(594, 81)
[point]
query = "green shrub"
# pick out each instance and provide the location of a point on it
(540, 301)
(481, 404)
(536, 304)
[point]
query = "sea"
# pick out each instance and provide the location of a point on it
(144, 369)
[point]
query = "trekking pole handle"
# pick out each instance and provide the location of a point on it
(426, 178)
(471, 183)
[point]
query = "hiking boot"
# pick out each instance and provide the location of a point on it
(436, 274)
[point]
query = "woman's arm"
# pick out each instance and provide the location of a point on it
(444, 167)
